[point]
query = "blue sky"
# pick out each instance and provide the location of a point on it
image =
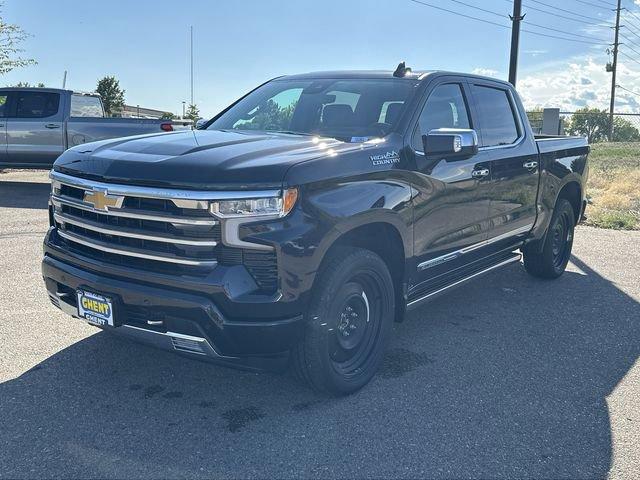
(239, 44)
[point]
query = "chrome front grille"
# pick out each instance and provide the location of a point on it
(168, 226)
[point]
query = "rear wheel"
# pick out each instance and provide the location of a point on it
(552, 261)
(349, 323)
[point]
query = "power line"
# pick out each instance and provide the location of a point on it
(460, 14)
(632, 14)
(594, 5)
(629, 22)
(629, 40)
(566, 11)
(630, 58)
(562, 31)
(631, 31)
(480, 8)
(558, 15)
(505, 26)
(632, 49)
(627, 90)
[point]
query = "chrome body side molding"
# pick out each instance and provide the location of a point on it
(453, 255)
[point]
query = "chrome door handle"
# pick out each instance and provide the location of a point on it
(52, 125)
(483, 172)
(530, 165)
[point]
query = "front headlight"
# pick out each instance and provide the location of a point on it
(256, 207)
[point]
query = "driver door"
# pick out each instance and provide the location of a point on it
(452, 205)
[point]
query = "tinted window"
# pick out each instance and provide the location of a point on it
(86, 106)
(348, 109)
(445, 108)
(497, 121)
(3, 105)
(36, 104)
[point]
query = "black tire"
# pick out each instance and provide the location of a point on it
(552, 261)
(349, 323)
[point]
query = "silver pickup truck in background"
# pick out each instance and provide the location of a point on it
(38, 124)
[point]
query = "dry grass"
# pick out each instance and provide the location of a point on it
(613, 190)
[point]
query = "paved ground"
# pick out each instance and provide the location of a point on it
(508, 377)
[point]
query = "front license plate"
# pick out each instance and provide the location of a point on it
(95, 309)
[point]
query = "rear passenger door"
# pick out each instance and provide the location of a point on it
(35, 128)
(507, 147)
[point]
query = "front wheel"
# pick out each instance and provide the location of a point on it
(349, 323)
(552, 261)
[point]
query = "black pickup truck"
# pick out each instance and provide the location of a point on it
(308, 216)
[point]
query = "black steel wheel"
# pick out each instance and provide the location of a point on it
(349, 323)
(552, 260)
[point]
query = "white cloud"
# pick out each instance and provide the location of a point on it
(580, 83)
(487, 72)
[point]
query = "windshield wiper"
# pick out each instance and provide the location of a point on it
(291, 132)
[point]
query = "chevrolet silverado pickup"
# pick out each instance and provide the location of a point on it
(38, 124)
(308, 216)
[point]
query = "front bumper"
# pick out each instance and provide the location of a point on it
(187, 322)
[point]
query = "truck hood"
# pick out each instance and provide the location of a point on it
(199, 159)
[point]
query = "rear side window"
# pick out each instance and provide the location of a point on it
(498, 124)
(445, 108)
(86, 106)
(36, 104)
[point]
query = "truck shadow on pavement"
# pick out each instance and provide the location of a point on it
(24, 194)
(507, 377)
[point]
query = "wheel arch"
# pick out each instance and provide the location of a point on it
(384, 238)
(572, 191)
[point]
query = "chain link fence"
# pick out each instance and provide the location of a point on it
(591, 123)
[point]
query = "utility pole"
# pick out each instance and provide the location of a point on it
(516, 18)
(64, 80)
(614, 70)
(191, 64)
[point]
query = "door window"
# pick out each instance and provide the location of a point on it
(498, 124)
(36, 104)
(445, 108)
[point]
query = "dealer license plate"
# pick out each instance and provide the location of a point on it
(95, 309)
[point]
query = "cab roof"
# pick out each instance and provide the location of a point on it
(379, 74)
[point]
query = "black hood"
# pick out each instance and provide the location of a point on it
(197, 159)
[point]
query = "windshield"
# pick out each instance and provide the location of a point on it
(348, 109)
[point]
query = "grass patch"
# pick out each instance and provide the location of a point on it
(613, 189)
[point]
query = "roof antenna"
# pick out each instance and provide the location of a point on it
(402, 70)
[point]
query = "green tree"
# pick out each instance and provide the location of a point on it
(112, 95)
(535, 118)
(624, 131)
(590, 122)
(167, 116)
(28, 85)
(269, 116)
(11, 36)
(193, 112)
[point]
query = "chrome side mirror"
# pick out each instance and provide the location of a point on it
(450, 143)
(200, 124)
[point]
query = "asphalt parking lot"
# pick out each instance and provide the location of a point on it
(506, 377)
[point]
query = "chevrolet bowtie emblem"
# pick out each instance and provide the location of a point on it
(101, 200)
